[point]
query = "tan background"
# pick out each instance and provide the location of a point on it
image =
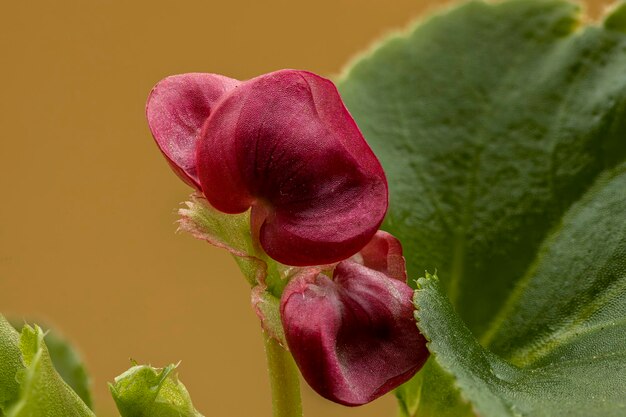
(87, 217)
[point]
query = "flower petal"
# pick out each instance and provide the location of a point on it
(176, 110)
(353, 337)
(285, 144)
(383, 253)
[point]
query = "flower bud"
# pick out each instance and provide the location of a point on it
(156, 392)
(353, 336)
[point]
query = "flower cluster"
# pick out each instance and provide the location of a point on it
(284, 146)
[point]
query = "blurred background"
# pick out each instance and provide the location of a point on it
(87, 220)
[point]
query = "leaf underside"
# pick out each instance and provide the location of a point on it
(493, 123)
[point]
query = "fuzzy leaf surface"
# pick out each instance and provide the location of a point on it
(492, 122)
(564, 335)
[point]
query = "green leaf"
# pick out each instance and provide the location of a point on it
(10, 363)
(144, 391)
(67, 363)
(617, 18)
(437, 386)
(563, 339)
(70, 366)
(491, 121)
(42, 391)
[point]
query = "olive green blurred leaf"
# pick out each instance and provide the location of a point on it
(70, 366)
(616, 20)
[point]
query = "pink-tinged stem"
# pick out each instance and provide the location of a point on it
(284, 380)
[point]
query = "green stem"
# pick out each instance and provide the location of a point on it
(284, 380)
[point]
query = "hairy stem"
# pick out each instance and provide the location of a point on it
(284, 380)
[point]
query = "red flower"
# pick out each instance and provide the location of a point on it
(353, 336)
(282, 144)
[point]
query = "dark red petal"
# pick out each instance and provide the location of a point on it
(383, 253)
(285, 144)
(176, 110)
(354, 337)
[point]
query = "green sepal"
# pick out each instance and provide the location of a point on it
(267, 308)
(233, 233)
(226, 231)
